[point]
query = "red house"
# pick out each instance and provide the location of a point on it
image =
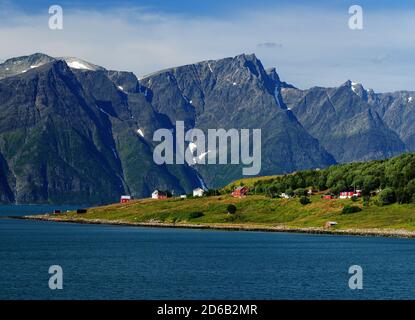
(240, 192)
(160, 195)
(328, 197)
(125, 199)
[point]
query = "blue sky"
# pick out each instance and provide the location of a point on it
(309, 42)
(211, 7)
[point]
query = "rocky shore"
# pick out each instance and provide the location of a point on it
(372, 232)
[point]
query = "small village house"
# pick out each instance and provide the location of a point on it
(310, 192)
(183, 196)
(346, 194)
(328, 197)
(284, 196)
(125, 199)
(350, 194)
(198, 192)
(330, 224)
(240, 192)
(160, 195)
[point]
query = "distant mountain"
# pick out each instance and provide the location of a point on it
(236, 93)
(70, 136)
(398, 113)
(346, 122)
(74, 132)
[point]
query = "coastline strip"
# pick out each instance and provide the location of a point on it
(395, 233)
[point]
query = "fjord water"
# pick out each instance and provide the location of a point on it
(112, 262)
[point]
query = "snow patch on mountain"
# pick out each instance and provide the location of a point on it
(140, 132)
(75, 63)
(115, 153)
(202, 183)
(78, 65)
(355, 86)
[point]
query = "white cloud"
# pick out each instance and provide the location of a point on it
(315, 46)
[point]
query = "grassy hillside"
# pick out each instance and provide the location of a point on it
(255, 210)
(388, 202)
(250, 182)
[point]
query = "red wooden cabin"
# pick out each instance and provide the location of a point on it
(240, 192)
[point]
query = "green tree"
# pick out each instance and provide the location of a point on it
(289, 192)
(370, 183)
(272, 191)
(386, 196)
(305, 200)
(300, 192)
(231, 209)
(350, 209)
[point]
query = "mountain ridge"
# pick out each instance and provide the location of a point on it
(117, 114)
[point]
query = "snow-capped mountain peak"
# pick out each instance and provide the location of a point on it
(76, 63)
(356, 87)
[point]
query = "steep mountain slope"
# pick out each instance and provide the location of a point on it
(133, 121)
(66, 135)
(344, 122)
(235, 93)
(73, 132)
(57, 147)
(398, 112)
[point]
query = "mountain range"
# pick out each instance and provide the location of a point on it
(74, 132)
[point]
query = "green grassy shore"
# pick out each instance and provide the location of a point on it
(254, 212)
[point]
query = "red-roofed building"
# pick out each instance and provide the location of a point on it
(240, 192)
(350, 194)
(157, 194)
(125, 199)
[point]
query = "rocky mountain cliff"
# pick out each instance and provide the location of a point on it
(236, 93)
(346, 121)
(71, 136)
(75, 132)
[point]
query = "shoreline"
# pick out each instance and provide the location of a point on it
(371, 232)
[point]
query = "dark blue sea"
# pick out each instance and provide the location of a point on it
(111, 262)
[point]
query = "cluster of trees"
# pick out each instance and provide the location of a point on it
(395, 177)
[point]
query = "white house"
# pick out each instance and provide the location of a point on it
(284, 196)
(157, 194)
(199, 192)
(330, 224)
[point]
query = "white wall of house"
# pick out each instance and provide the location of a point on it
(198, 192)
